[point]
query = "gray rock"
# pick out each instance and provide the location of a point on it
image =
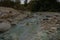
(4, 26)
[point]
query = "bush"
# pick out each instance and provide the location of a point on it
(44, 5)
(10, 4)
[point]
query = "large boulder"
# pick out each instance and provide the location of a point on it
(4, 26)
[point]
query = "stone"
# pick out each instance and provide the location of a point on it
(46, 19)
(57, 15)
(4, 26)
(48, 16)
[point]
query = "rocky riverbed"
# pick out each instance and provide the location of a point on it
(33, 26)
(12, 15)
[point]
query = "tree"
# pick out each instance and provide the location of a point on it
(43, 5)
(17, 1)
(34, 5)
(7, 0)
(25, 2)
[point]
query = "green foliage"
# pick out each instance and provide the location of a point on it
(7, 3)
(25, 3)
(10, 4)
(35, 5)
(44, 5)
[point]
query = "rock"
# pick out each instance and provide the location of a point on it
(13, 24)
(46, 19)
(58, 28)
(4, 26)
(48, 16)
(58, 22)
(57, 15)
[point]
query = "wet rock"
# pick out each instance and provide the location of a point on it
(49, 23)
(58, 28)
(48, 16)
(58, 22)
(40, 14)
(10, 11)
(46, 19)
(4, 26)
(56, 15)
(29, 16)
(53, 29)
(9, 20)
(13, 24)
(27, 23)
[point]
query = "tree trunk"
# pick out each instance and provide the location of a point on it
(17, 1)
(25, 2)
